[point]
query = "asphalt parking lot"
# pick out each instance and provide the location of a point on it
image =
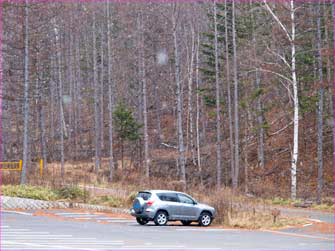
(70, 230)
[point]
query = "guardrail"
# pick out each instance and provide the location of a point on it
(17, 166)
(11, 166)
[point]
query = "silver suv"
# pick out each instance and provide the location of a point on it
(162, 206)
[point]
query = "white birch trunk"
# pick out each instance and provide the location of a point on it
(296, 109)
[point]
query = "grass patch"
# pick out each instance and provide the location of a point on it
(30, 192)
(70, 193)
(109, 201)
(262, 220)
(283, 202)
(325, 207)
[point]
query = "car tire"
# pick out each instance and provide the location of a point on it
(161, 218)
(141, 221)
(205, 219)
(186, 222)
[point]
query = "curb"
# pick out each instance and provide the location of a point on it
(29, 204)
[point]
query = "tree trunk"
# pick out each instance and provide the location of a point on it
(296, 108)
(197, 125)
(110, 93)
(26, 96)
(41, 117)
(96, 102)
(236, 118)
(60, 97)
(144, 101)
(181, 149)
(259, 105)
(190, 93)
(320, 105)
(231, 143)
(102, 91)
(218, 107)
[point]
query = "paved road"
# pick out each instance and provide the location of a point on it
(64, 230)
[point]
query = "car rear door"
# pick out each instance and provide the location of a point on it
(171, 204)
(188, 207)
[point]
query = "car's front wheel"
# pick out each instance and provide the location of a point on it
(186, 222)
(161, 218)
(205, 219)
(141, 221)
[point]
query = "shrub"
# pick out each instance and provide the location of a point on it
(73, 193)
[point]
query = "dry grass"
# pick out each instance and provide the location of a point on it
(233, 209)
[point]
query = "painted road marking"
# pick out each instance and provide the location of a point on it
(111, 218)
(315, 220)
(299, 235)
(207, 230)
(306, 225)
(43, 246)
(16, 212)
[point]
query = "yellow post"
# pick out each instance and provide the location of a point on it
(20, 165)
(41, 167)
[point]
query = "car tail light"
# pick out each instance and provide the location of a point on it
(150, 202)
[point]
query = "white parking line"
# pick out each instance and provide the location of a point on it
(315, 220)
(111, 218)
(206, 230)
(79, 214)
(16, 229)
(16, 212)
(36, 235)
(45, 246)
(22, 232)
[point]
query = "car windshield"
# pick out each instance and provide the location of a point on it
(144, 195)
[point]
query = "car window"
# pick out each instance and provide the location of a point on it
(168, 197)
(144, 195)
(185, 199)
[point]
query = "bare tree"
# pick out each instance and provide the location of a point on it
(181, 148)
(231, 143)
(97, 120)
(218, 105)
(291, 37)
(111, 90)
(320, 103)
(236, 116)
(26, 95)
(144, 97)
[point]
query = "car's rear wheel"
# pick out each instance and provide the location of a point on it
(186, 222)
(141, 221)
(205, 219)
(161, 218)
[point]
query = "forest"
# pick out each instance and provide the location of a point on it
(208, 94)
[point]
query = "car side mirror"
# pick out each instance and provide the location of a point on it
(194, 202)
